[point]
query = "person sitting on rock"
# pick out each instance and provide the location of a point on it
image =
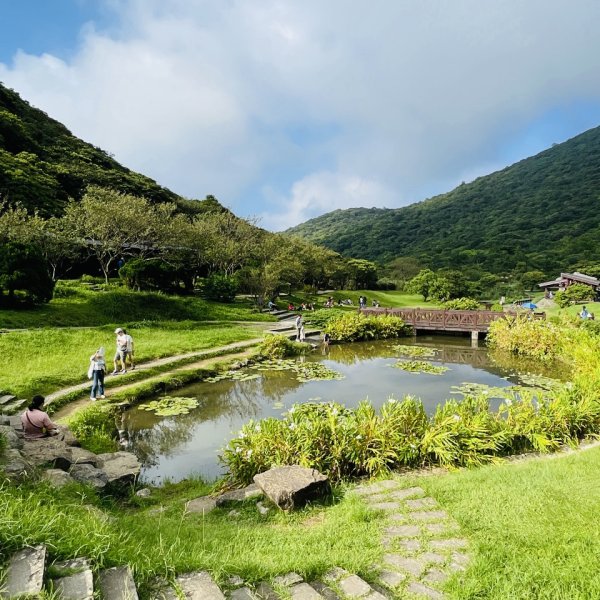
(36, 423)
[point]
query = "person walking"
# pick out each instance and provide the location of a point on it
(130, 349)
(298, 327)
(36, 423)
(302, 334)
(121, 352)
(96, 374)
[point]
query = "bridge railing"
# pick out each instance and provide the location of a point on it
(447, 320)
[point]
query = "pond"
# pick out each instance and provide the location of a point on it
(175, 447)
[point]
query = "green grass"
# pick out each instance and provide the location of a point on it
(44, 360)
(533, 526)
(389, 299)
(308, 541)
(78, 305)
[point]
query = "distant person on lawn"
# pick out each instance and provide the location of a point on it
(584, 314)
(36, 423)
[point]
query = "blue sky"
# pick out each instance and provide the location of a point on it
(285, 110)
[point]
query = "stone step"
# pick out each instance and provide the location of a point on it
(77, 582)
(17, 406)
(117, 584)
(199, 586)
(25, 573)
(6, 399)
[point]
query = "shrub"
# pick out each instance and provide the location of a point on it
(462, 304)
(220, 288)
(95, 427)
(153, 275)
(578, 292)
(3, 443)
(526, 337)
(279, 346)
(352, 327)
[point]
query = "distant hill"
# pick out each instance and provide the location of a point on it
(540, 213)
(42, 164)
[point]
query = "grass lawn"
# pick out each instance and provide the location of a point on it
(387, 299)
(40, 361)
(534, 527)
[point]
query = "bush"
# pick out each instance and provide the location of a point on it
(578, 292)
(220, 288)
(462, 304)
(3, 443)
(352, 327)
(526, 337)
(279, 346)
(153, 275)
(95, 427)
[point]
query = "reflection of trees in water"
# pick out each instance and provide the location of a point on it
(151, 435)
(349, 354)
(513, 365)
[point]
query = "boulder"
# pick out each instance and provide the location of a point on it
(57, 477)
(90, 475)
(44, 451)
(203, 505)
(25, 573)
(117, 584)
(15, 466)
(237, 496)
(14, 441)
(292, 485)
(121, 468)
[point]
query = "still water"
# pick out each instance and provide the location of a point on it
(176, 447)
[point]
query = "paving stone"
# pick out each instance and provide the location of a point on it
(235, 580)
(429, 515)
(410, 545)
(375, 595)
(325, 591)
(335, 574)
(435, 576)
(407, 493)
(266, 592)
(201, 505)
(117, 584)
(199, 586)
(411, 565)
(449, 544)
(405, 531)
(288, 579)
(354, 586)
(432, 557)
(391, 578)
(25, 573)
(303, 591)
(242, 593)
(78, 586)
(385, 506)
(398, 518)
(437, 528)
(419, 503)
(423, 590)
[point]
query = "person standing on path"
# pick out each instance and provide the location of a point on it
(129, 340)
(121, 352)
(298, 327)
(302, 335)
(97, 371)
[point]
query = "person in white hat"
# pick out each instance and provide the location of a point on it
(121, 353)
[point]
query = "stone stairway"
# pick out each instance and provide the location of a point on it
(10, 404)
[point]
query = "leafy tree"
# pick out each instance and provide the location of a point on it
(576, 292)
(220, 288)
(430, 285)
(362, 273)
(22, 271)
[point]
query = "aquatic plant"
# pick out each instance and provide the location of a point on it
(415, 351)
(170, 406)
(420, 366)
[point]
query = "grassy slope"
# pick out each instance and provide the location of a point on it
(533, 524)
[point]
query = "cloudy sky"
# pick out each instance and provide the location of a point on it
(287, 109)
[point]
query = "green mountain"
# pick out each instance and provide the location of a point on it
(42, 164)
(540, 213)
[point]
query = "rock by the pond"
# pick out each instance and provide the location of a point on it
(57, 477)
(121, 468)
(202, 505)
(13, 440)
(14, 465)
(25, 573)
(237, 496)
(292, 485)
(90, 475)
(117, 584)
(77, 583)
(56, 452)
(199, 586)
(144, 493)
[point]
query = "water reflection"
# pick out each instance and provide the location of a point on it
(175, 447)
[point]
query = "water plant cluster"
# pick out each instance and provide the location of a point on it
(170, 406)
(415, 351)
(420, 366)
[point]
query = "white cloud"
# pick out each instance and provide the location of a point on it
(326, 104)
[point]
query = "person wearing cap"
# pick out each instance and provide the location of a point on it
(97, 370)
(121, 353)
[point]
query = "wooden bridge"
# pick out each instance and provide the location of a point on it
(432, 319)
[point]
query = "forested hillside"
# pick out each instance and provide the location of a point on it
(540, 213)
(42, 164)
